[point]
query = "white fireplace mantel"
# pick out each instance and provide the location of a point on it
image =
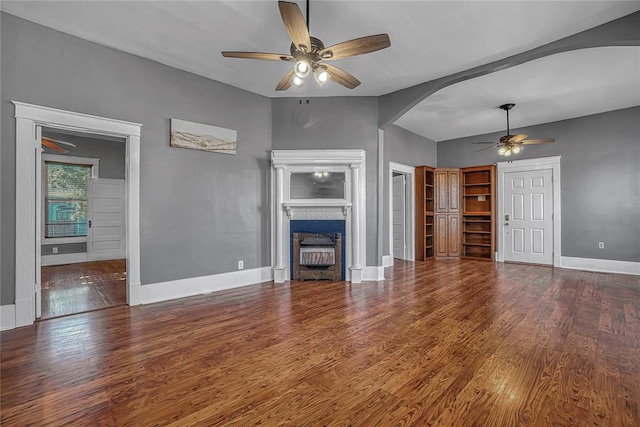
(351, 209)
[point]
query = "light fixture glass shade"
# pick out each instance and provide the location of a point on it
(502, 150)
(296, 81)
(516, 149)
(507, 152)
(321, 75)
(302, 68)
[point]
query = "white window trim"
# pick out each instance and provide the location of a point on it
(72, 160)
(28, 118)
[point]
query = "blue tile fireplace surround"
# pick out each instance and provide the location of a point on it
(319, 227)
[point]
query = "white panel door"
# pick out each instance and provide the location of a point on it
(528, 220)
(105, 219)
(399, 216)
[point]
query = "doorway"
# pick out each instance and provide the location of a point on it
(401, 212)
(29, 119)
(82, 215)
(529, 217)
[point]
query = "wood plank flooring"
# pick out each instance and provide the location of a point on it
(85, 286)
(439, 343)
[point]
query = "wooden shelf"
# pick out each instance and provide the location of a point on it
(479, 213)
(424, 231)
(478, 220)
(477, 184)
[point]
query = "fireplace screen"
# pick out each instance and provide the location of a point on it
(317, 256)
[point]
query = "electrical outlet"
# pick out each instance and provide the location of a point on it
(240, 265)
(54, 249)
(601, 245)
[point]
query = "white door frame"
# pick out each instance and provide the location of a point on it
(28, 118)
(552, 163)
(410, 200)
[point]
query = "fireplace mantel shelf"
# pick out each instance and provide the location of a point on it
(322, 204)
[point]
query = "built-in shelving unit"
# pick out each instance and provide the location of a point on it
(425, 202)
(478, 212)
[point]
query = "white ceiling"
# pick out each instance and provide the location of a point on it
(558, 87)
(429, 39)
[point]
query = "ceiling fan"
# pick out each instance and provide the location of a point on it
(512, 144)
(310, 54)
(54, 144)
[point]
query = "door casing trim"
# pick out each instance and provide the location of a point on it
(526, 165)
(28, 117)
(410, 204)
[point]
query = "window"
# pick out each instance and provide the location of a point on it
(65, 195)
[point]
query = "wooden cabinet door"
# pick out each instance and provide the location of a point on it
(453, 235)
(453, 185)
(441, 243)
(442, 191)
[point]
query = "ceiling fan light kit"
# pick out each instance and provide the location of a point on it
(513, 144)
(310, 54)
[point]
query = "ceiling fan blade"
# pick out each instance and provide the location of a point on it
(483, 142)
(58, 141)
(285, 83)
(538, 141)
(53, 146)
(258, 55)
(488, 148)
(356, 47)
(342, 77)
(518, 138)
(295, 25)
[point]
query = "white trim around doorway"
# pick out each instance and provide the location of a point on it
(542, 163)
(28, 118)
(409, 172)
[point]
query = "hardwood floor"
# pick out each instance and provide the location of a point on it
(449, 343)
(85, 286)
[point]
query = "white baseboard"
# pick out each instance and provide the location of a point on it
(387, 261)
(173, 289)
(59, 259)
(373, 273)
(600, 265)
(7, 317)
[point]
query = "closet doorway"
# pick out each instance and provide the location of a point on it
(81, 210)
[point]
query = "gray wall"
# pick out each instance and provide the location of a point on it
(600, 178)
(199, 212)
(112, 166)
(407, 148)
(334, 123)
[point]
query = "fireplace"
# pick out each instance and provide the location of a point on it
(323, 187)
(329, 228)
(317, 256)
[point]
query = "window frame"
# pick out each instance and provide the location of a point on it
(70, 160)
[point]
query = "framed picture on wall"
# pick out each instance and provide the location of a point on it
(197, 136)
